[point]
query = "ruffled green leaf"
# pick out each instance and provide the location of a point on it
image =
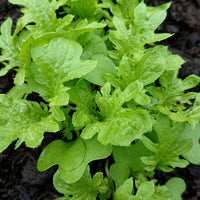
(18, 91)
(81, 30)
(23, 120)
(14, 52)
(172, 99)
(89, 9)
(120, 126)
(130, 40)
(54, 64)
(125, 9)
(146, 190)
(147, 69)
(153, 63)
(86, 188)
(9, 52)
(168, 147)
(34, 9)
(192, 115)
(81, 95)
(125, 192)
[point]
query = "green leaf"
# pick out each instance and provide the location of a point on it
(94, 151)
(125, 8)
(23, 120)
(125, 192)
(172, 99)
(145, 190)
(96, 45)
(81, 95)
(53, 66)
(130, 40)
(153, 63)
(78, 155)
(192, 115)
(120, 126)
(18, 91)
(117, 177)
(121, 129)
(104, 65)
(9, 51)
(86, 188)
(176, 186)
(34, 9)
(172, 88)
(67, 155)
(192, 155)
(85, 9)
(147, 69)
(128, 162)
(81, 30)
(168, 148)
(15, 52)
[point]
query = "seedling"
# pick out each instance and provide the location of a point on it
(109, 95)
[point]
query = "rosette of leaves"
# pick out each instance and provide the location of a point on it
(110, 96)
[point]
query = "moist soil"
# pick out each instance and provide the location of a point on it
(19, 178)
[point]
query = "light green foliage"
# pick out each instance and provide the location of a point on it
(80, 30)
(95, 45)
(86, 188)
(193, 156)
(120, 126)
(15, 52)
(176, 186)
(128, 162)
(89, 9)
(8, 49)
(78, 155)
(125, 9)
(191, 115)
(130, 40)
(153, 63)
(96, 49)
(168, 136)
(57, 62)
(172, 98)
(23, 120)
(18, 91)
(34, 9)
(108, 89)
(104, 65)
(147, 69)
(67, 155)
(146, 190)
(81, 95)
(56, 68)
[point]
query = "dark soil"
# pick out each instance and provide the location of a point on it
(19, 178)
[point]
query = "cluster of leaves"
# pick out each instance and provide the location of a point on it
(107, 93)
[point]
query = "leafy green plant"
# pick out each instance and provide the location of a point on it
(108, 94)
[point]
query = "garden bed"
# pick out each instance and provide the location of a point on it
(19, 178)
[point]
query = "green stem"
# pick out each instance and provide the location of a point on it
(71, 107)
